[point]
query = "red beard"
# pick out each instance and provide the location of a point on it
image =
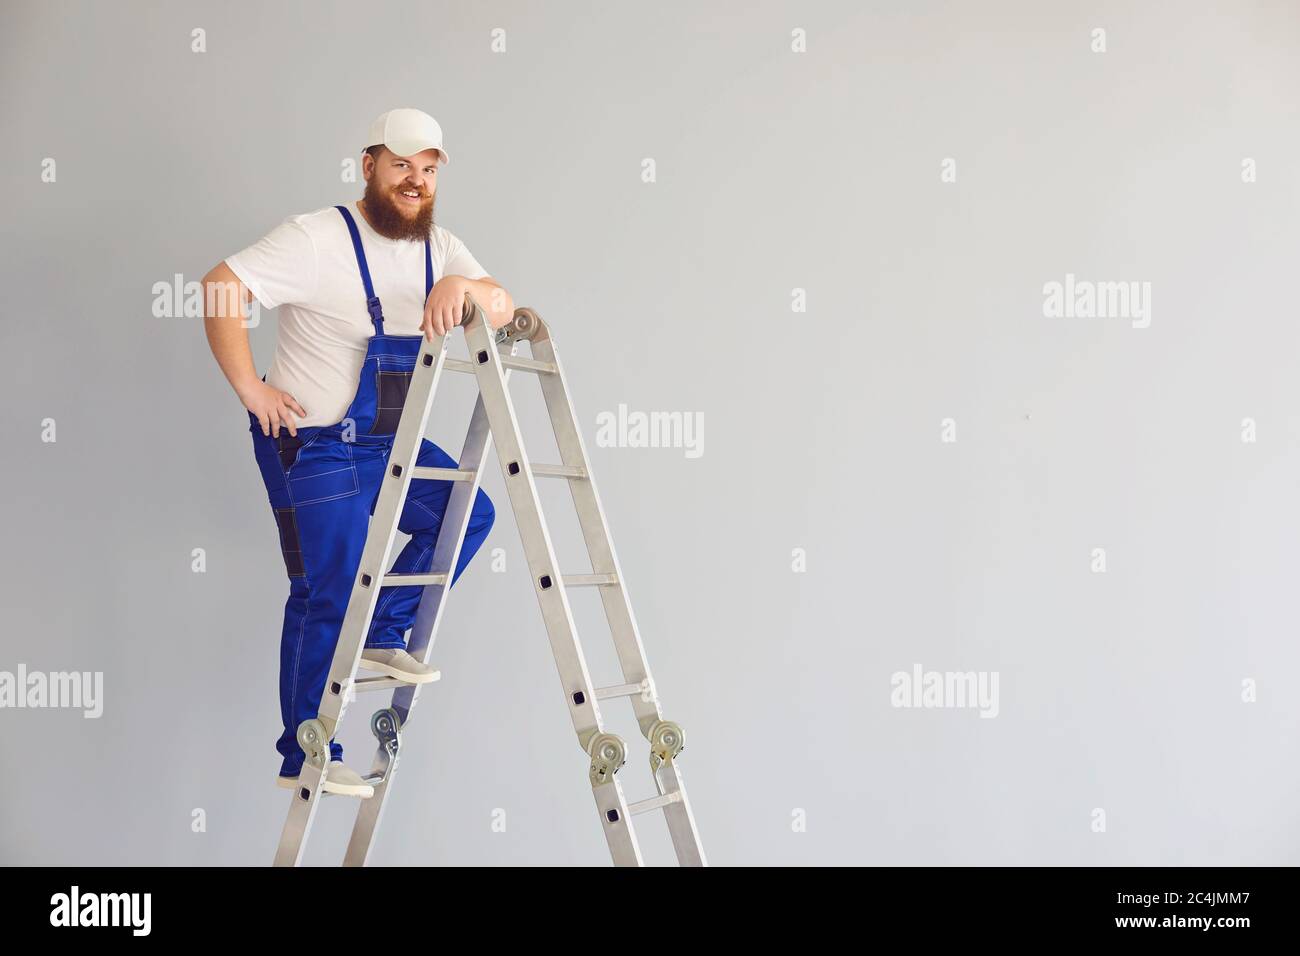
(388, 219)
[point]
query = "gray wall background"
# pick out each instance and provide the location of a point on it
(776, 171)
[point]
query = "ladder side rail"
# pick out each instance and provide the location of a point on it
(428, 617)
(606, 751)
(365, 592)
(616, 600)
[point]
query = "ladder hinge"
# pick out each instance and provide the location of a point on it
(608, 753)
(667, 740)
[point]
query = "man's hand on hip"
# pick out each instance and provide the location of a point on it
(274, 409)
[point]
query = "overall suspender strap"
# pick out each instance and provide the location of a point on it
(428, 270)
(372, 301)
(373, 305)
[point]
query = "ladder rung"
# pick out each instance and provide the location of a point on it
(654, 803)
(528, 365)
(508, 361)
(363, 684)
(374, 779)
(405, 580)
(558, 471)
(618, 690)
(443, 474)
(589, 580)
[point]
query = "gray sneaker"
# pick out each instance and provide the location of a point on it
(338, 779)
(395, 662)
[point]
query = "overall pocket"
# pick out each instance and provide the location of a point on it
(390, 394)
(290, 547)
(394, 357)
(323, 471)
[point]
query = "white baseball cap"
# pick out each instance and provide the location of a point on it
(407, 132)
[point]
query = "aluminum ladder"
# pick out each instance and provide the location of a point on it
(493, 356)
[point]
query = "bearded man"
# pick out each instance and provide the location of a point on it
(356, 289)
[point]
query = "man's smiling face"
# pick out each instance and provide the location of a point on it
(400, 192)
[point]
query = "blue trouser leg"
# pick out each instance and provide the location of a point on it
(291, 638)
(322, 504)
(426, 505)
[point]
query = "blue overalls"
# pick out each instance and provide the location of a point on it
(323, 487)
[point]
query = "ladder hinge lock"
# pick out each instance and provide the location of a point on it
(608, 754)
(386, 725)
(667, 740)
(314, 740)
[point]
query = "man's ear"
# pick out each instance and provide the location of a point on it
(367, 166)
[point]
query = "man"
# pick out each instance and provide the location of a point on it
(357, 287)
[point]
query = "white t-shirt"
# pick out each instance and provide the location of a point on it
(306, 266)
